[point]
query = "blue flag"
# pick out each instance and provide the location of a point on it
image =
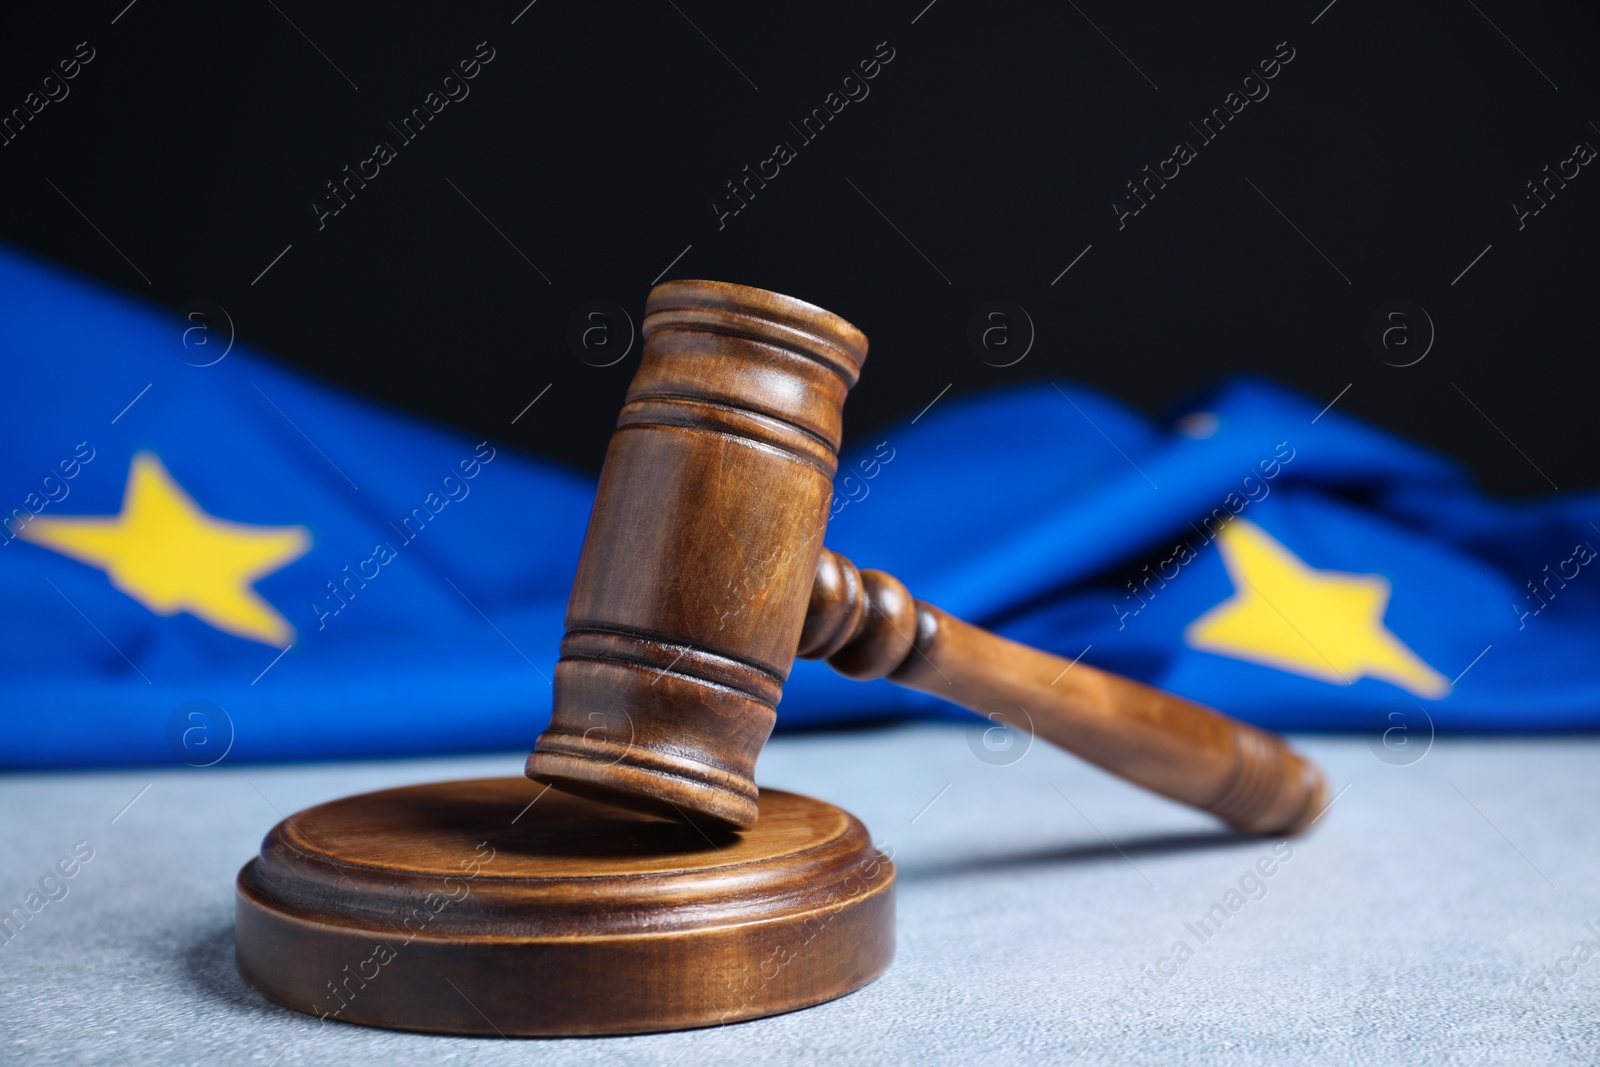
(205, 556)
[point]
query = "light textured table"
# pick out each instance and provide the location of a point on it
(1033, 897)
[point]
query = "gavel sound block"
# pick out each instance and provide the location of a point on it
(500, 907)
(656, 889)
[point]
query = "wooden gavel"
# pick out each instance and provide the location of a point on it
(704, 575)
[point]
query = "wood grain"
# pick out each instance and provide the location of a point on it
(493, 907)
(699, 556)
(867, 625)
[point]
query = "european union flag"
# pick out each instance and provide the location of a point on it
(230, 561)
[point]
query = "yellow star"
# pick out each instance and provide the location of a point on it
(1321, 624)
(164, 551)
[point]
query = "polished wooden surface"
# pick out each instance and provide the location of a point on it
(703, 574)
(495, 907)
(698, 562)
(867, 625)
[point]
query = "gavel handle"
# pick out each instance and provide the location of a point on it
(866, 625)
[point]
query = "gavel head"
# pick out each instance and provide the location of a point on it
(701, 552)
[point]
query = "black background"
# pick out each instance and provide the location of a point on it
(995, 143)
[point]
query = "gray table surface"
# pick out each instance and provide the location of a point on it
(1036, 900)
